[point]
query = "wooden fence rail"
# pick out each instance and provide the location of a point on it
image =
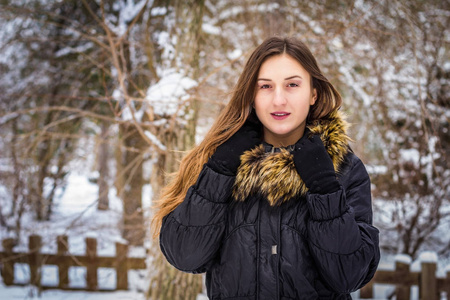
(430, 286)
(64, 260)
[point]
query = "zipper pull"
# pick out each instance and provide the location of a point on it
(274, 249)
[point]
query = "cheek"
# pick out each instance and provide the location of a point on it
(258, 105)
(302, 102)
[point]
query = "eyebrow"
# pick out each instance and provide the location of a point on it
(292, 77)
(287, 78)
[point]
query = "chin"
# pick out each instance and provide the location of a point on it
(281, 132)
(281, 128)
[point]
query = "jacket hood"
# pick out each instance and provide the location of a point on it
(273, 174)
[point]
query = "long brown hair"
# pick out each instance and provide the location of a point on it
(236, 113)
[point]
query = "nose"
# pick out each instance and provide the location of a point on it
(279, 97)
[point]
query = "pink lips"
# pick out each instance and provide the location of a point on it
(280, 115)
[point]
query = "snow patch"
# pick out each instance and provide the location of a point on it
(129, 111)
(202, 297)
(158, 11)
(128, 11)
(211, 29)
(236, 53)
(169, 93)
(411, 155)
(403, 258)
(428, 257)
(69, 50)
(155, 141)
(374, 169)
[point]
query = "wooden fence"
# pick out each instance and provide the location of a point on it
(430, 287)
(64, 260)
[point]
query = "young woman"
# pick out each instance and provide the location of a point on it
(273, 204)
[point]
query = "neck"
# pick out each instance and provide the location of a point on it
(283, 140)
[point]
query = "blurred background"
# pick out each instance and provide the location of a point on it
(100, 99)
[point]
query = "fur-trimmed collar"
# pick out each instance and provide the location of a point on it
(273, 174)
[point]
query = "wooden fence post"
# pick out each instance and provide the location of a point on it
(447, 283)
(8, 264)
(91, 268)
(402, 292)
(121, 266)
(35, 262)
(427, 279)
(63, 267)
(367, 291)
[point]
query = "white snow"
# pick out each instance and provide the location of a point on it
(202, 297)
(6, 118)
(411, 155)
(428, 257)
(236, 53)
(337, 43)
(168, 95)
(159, 11)
(128, 11)
(31, 293)
(357, 86)
(230, 12)
(211, 29)
(129, 113)
(403, 258)
(374, 169)
(69, 50)
(155, 140)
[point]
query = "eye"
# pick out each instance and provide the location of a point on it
(264, 86)
(293, 84)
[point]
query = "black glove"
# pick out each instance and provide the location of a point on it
(226, 159)
(314, 165)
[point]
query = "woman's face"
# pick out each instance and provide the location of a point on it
(282, 100)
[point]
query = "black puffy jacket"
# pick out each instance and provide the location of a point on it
(310, 246)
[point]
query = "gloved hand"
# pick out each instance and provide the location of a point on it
(226, 159)
(314, 165)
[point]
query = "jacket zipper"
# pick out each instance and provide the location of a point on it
(258, 251)
(278, 253)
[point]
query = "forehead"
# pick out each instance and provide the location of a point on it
(281, 65)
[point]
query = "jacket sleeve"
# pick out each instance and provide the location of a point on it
(343, 241)
(192, 233)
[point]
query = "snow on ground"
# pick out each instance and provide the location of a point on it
(76, 216)
(30, 293)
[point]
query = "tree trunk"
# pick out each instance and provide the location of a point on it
(167, 282)
(103, 170)
(131, 191)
